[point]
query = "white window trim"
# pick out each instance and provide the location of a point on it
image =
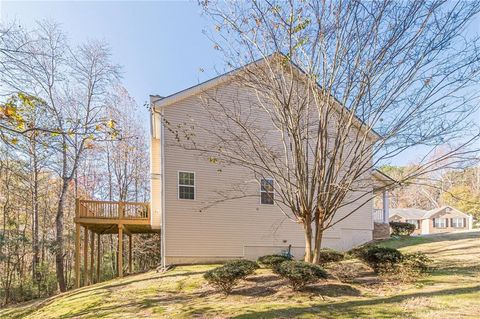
(444, 223)
(461, 222)
(194, 185)
(261, 191)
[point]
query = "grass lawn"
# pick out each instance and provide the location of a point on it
(452, 290)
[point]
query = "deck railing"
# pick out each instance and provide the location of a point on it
(378, 215)
(112, 210)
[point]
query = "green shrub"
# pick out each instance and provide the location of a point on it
(357, 252)
(299, 273)
(409, 269)
(328, 255)
(379, 257)
(271, 261)
(245, 265)
(226, 277)
(418, 261)
(402, 229)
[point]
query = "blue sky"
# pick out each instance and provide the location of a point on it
(159, 44)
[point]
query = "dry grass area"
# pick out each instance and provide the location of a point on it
(452, 290)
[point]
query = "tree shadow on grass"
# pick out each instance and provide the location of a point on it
(444, 270)
(434, 238)
(355, 308)
(262, 279)
(333, 290)
(160, 276)
(255, 291)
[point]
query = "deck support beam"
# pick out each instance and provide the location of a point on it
(85, 256)
(130, 255)
(92, 253)
(77, 255)
(120, 251)
(98, 257)
(100, 217)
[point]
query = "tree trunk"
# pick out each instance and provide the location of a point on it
(308, 241)
(59, 239)
(318, 241)
(35, 225)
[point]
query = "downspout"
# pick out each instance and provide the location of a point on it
(163, 230)
(162, 176)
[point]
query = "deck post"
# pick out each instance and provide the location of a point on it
(98, 257)
(130, 254)
(120, 251)
(92, 253)
(77, 255)
(85, 255)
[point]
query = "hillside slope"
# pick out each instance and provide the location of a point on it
(451, 291)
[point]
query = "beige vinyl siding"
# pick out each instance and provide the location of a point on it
(235, 228)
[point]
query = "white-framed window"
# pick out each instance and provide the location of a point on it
(186, 185)
(458, 222)
(440, 223)
(267, 191)
(414, 222)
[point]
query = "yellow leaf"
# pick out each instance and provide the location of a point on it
(111, 123)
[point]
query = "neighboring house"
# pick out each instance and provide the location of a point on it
(182, 182)
(439, 220)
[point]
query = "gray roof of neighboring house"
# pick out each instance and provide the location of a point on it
(415, 213)
(432, 212)
(408, 213)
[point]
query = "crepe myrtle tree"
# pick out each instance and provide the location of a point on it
(336, 88)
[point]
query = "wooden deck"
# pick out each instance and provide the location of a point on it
(106, 217)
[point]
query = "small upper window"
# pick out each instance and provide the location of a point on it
(186, 185)
(267, 191)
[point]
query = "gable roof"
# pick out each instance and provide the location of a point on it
(415, 213)
(434, 211)
(408, 213)
(161, 102)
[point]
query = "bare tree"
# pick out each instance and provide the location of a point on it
(72, 82)
(338, 88)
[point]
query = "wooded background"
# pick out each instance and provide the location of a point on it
(68, 129)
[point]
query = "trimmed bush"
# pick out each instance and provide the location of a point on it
(379, 257)
(409, 269)
(402, 229)
(328, 255)
(247, 266)
(418, 261)
(226, 277)
(271, 261)
(299, 273)
(357, 252)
